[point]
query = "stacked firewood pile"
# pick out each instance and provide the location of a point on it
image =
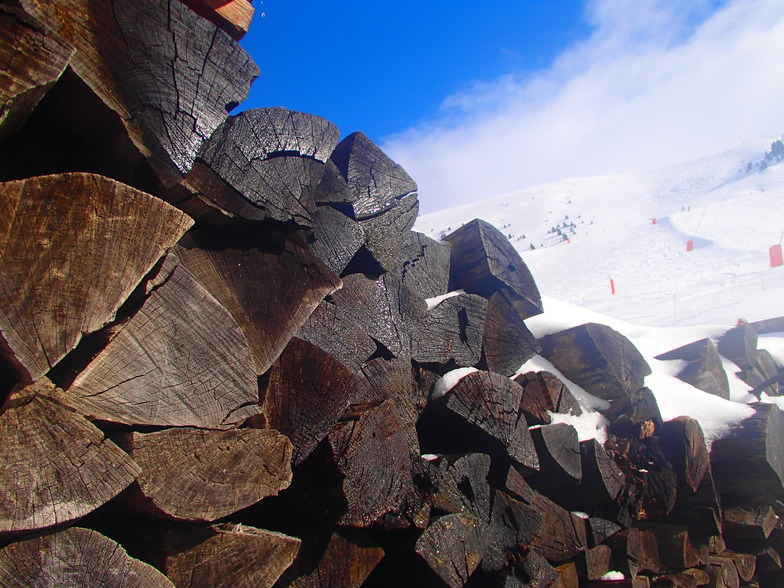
(222, 350)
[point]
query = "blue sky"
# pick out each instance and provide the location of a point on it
(382, 67)
(480, 99)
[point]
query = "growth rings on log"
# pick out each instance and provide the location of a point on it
(74, 246)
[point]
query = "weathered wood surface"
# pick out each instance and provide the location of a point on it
(635, 551)
(558, 450)
(602, 480)
(461, 485)
(771, 325)
(749, 522)
(371, 451)
(568, 576)
(544, 393)
(676, 548)
(225, 555)
(164, 368)
(233, 16)
(597, 562)
(506, 343)
(480, 413)
(269, 286)
(385, 233)
(751, 451)
(57, 466)
(683, 442)
(170, 82)
(308, 390)
(764, 375)
(32, 62)
(704, 369)
(265, 163)
(424, 265)
(691, 578)
(343, 557)
(203, 475)
(598, 358)
(365, 319)
(745, 564)
(637, 415)
(75, 557)
(74, 246)
(452, 332)
(722, 573)
(484, 262)
(453, 547)
(599, 530)
(337, 237)
(739, 344)
(376, 183)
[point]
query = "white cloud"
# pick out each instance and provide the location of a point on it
(658, 81)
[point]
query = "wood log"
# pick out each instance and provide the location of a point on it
(59, 467)
(558, 450)
(452, 332)
(343, 557)
(337, 238)
(739, 344)
(635, 552)
(683, 443)
(676, 549)
(453, 547)
(764, 376)
(540, 523)
(749, 460)
(597, 562)
(602, 480)
(635, 416)
(506, 343)
(221, 555)
(599, 359)
(203, 475)
(513, 526)
(265, 163)
(75, 557)
(771, 325)
(545, 393)
(233, 16)
(461, 485)
(163, 368)
(372, 455)
(691, 578)
(484, 262)
(722, 573)
(749, 522)
(68, 263)
(599, 530)
(703, 369)
(479, 414)
(170, 83)
(385, 235)
(567, 576)
(366, 319)
(307, 392)
(32, 62)
(425, 265)
(745, 564)
(270, 286)
(375, 182)
(538, 571)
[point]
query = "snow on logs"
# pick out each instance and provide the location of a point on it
(248, 401)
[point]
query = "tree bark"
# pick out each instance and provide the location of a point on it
(69, 263)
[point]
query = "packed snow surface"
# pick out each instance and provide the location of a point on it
(666, 257)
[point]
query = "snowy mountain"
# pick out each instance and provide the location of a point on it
(584, 238)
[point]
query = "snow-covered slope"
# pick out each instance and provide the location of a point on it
(578, 235)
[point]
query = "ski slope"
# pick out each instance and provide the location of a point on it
(633, 230)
